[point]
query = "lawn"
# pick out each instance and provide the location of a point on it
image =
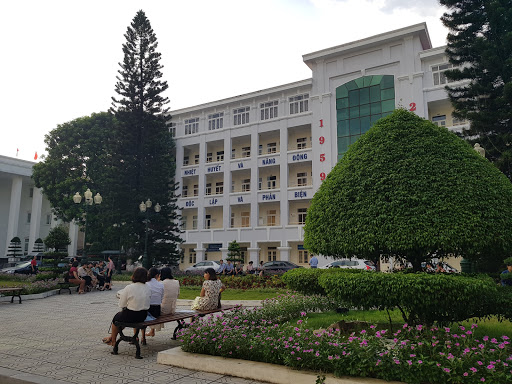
(489, 327)
(8, 283)
(190, 293)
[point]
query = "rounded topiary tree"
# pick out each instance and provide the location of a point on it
(410, 189)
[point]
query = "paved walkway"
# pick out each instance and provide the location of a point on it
(57, 340)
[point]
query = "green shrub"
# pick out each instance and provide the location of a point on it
(237, 282)
(421, 298)
(306, 282)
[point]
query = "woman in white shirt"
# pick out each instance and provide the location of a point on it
(170, 296)
(134, 300)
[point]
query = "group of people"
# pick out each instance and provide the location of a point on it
(155, 292)
(91, 275)
(238, 269)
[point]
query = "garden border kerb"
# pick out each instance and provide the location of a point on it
(253, 370)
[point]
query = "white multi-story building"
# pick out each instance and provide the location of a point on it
(248, 166)
(24, 211)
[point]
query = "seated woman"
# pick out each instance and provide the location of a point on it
(157, 294)
(134, 300)
(239, 269)
(73, 277)
(171, 294)
(210, 293)
(250, 268)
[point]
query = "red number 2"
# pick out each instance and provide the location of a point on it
(413, 107)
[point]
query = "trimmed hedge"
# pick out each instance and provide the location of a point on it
(422, 298)
(306, 282)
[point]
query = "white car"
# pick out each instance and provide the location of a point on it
(351, 264)
(201, 266)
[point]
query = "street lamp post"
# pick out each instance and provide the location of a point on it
(77, 199)
(144, 208)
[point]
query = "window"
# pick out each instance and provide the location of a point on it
(196, 159)
(301, 143)
(246, 219)
(215, 121)
(191, 126)
(208, 190)
(359, 104)
(303, 256)
(184, 191)
(172, 129)
(259, 184)
(301, 213)
(29, 217)
(241, 115)
(233, 154)
(299, 104)
(196, 189)
(260, 149)
(194, 222)
(438, 73)
(302, 179)
(232, 186)
(246, 185)
(219, 188)
(269, 110)
(48, 219)
(456, 121)
(246, 151)
(271, 217)
(26, 244)
(440, 120)
(184, 223)
(185, 160)
(271, 147)
(220, 156)
(209, 157)
(232, 220)
(192, 257)
(31, 192)
(271, 182)
(208, 221)
(272, 254)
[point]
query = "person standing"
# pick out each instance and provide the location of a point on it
(313, 262)
(33, 265)
(110, 271)
(506, 275)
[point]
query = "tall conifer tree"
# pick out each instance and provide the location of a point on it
(145, 155)
(480, 45)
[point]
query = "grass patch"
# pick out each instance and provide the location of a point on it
(486, 327)
(4, 284)
(190, 293)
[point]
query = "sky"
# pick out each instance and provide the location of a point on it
(60, 58)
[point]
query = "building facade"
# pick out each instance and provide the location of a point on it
(248, 166)
(25, 212)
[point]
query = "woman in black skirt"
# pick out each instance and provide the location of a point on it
(134, 301)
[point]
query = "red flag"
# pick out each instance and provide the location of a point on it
(17, 150)
(35, 156)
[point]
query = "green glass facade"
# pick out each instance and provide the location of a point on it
(360, 103)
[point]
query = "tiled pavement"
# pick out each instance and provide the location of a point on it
(57, 340)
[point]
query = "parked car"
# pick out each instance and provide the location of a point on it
(22, 267)
(351, 264)
(276, 267)
(201, 266)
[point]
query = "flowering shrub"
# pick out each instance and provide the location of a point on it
(237, 282)
(413, 354)
(42, 282)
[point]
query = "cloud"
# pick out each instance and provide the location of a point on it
(425, 7)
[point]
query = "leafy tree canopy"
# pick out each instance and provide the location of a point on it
(410, 189)
(235, 252)
(480, 45)
(57, 238)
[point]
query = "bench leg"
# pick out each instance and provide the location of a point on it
(13, 296)
(132, 339)
(181, 325)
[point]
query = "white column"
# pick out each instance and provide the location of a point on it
(199, 254)
(73, 236)
(224, 253)
(35, 219)
(254, 179)
(253, 256)
(283, 175)
(284, 253)
(14, 210)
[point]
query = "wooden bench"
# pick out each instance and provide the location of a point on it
(15, 292)
(179, 316)
(66, 285)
